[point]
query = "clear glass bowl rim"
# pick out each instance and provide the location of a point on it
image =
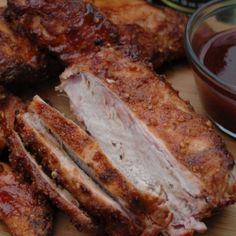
(199, 15)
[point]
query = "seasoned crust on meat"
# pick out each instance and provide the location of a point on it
(24, 212)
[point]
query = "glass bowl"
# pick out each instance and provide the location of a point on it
(218, 96)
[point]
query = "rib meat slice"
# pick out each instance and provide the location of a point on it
(157, 136)
(85, 151)
(21, 210)
(23, 161)
(90, 195)
(160, 30)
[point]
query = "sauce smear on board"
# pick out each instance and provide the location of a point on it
(219, 56)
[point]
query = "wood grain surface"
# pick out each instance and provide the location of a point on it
(223, 223)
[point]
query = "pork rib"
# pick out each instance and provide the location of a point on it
(125, 103)
(91, 197)
(75, 27)
(22, 159)
(87, 153)
(69, 28)
(21, 210)
(159, 30)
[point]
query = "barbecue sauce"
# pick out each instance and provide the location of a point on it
(219, 56)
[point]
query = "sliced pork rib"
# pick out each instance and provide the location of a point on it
(142, 124)
(23, 161)
(127, 189)
(24, 212)
(91, 196)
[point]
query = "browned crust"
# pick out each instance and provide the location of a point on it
(88, 150)
(189, 137)
(113, 218)
(23, 212)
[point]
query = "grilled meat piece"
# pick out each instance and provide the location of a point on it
(19, 60)
(69, 28)
(127, 190)
(21, 210)
(23, 161)
(157, 136)
(92, 197)
(76, 27)
(159, 30)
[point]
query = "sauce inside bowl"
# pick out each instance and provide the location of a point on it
(217, 51)
(219, 56)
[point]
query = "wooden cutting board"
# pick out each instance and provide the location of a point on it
(222, 223)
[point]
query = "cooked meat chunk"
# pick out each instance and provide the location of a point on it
(124, 103)
(83, 28)
(132, 194)
(69, 28)
(90, 195)
(19, 60)
(23, 161)
(21, 210)
(159, 30)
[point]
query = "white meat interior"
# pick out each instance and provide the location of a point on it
(69, 167)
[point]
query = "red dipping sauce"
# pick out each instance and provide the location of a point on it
(210, 44)
(218, 54)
